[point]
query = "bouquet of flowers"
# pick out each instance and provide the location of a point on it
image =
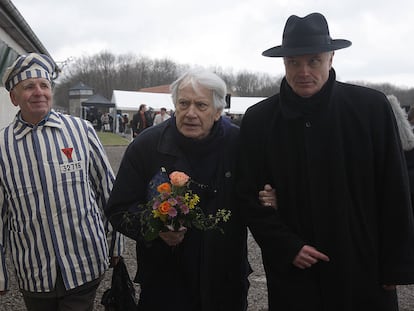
(174, 206)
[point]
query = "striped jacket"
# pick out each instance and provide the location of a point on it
(55, 180)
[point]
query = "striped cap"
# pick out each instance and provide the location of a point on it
(33, 65)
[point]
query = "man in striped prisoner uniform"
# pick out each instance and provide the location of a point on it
(54, 182)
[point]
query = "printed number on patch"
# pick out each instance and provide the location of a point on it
(70, 167)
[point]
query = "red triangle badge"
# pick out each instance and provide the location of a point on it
(68, 152)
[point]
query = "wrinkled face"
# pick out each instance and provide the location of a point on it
(195, 111)
(34, 97)
(307, 74)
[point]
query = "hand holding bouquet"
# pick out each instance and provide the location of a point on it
(175, 206)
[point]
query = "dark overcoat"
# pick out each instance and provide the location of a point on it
(341, 186)
(209, 267)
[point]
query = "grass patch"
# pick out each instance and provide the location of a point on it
(111, 139)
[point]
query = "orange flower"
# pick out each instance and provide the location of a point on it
(164, 188)
(179, 179)
(164, 207)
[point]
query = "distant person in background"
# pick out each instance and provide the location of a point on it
(120, 121)
(141, 120)
(161, 117)
(111, 123)
(407, 140)
(125, 121)
(105, 122)
(125, 124)
(54, 182)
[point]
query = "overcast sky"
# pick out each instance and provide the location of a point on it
(230, 34)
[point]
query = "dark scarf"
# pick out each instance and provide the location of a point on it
(294, 106)
(205, 158)
(287, 131)
(203, 154)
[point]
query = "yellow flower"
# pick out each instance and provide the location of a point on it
(191, 200)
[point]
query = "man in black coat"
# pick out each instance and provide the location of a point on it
(342, 235)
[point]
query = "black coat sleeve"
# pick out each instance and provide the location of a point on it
(275, 239)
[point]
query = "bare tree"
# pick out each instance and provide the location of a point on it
(105, 72)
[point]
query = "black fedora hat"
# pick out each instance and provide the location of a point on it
(306, 35)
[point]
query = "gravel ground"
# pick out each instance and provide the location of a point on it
(12, 301)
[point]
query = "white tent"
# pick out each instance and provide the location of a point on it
(239, 105)
(129, 101)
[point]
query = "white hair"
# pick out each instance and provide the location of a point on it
(201, 77)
